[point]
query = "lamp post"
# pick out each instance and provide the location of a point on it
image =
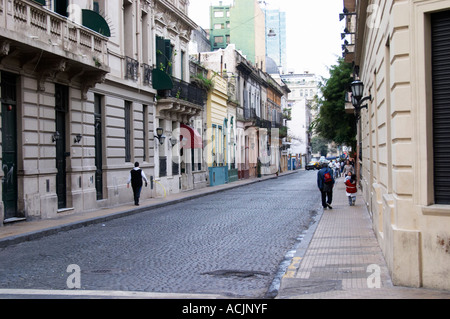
(160, 136)
(357, 96)
(357, 101)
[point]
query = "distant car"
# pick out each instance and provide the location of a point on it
(313, 164)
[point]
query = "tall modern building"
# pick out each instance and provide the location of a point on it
(243, 24)
(247, 30)
(276, 37)
(219, 16)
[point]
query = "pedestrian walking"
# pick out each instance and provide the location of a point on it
(337, 167)
(350, 188)
(348, 168)
(136, 176)
(325, 182)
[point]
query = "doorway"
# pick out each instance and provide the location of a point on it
(98, 146)
(9, 145)
(61, 106)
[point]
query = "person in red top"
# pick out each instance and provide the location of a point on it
(350, 188)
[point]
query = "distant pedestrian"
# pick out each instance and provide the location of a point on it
(348, 168)
(337, 167)
(325, 182)
(136, 177)
(350, 188)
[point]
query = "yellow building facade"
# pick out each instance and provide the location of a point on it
(216, 130)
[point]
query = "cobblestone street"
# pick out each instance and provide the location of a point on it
(229, 243)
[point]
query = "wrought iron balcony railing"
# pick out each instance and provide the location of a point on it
(132, 68)
(188, 92)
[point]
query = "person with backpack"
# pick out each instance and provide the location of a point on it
(325, 182)
(136, 176)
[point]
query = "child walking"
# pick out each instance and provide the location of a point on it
(350, 183)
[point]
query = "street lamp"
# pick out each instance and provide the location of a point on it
(357, 95)
(160, 136)
(346, 13)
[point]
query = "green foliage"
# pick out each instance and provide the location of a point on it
(202, 82)
(332, 122)
(168, 60)
(319, 145)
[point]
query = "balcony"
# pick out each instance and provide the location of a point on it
(183, 101)
(132, 67)
(35, 38)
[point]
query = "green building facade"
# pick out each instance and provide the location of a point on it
(243, 24)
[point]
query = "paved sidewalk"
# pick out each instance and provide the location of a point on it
(334, 262)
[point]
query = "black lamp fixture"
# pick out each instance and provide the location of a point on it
(160, 136)
(55, 136)
(77, 138)
(357, 95)
(345, 13)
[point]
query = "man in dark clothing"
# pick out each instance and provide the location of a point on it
(136, 177)
(325, 182)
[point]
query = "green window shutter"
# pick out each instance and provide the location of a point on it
(168, 53)
(160, 51)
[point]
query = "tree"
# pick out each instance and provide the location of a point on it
(332, 122)
(319, 145)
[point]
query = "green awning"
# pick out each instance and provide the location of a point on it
(41, 2)
(161, 80)
(96, 22)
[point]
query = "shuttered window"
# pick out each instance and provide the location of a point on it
(164, 55)
(440, 35)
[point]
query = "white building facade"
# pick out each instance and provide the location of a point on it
(81, 105)
(304, 88)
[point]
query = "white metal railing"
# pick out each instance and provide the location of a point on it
(33, 20)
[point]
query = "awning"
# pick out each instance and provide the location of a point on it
(96, 22)
(161, 80)
(192, 138)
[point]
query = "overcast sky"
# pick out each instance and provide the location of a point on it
(313, 31)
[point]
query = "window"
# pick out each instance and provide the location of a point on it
(128, 131)
(182, 57)
(218, 40)
(98, 139)
(128, 28)
(218, 14)
(144, 133)
(164, 52)
(220, 147)
(440, 60)
(61, 7)
(214, 146)
(218, 26)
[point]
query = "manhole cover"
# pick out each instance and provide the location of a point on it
(236, 273)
